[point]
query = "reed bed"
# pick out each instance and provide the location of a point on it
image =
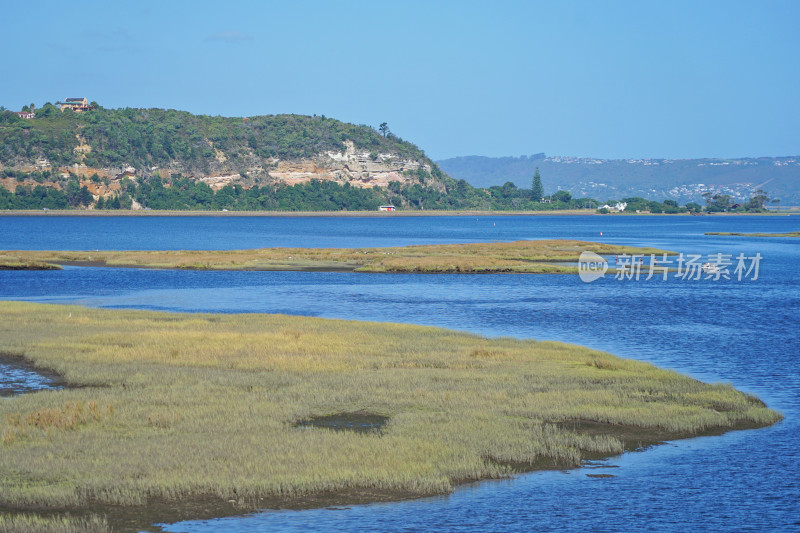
(520, 256)
(171, 407)
(23, 523)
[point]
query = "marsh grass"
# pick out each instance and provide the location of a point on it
(517, 257)
(12, 262)
(24, 523)
(174, 407)
(69, 416)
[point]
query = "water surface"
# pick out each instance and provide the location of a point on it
(745, 333)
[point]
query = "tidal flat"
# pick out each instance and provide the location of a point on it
(536, 257)
(167, 416)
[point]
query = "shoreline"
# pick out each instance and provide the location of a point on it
(354, 214)
(182, 388)
(145, 518)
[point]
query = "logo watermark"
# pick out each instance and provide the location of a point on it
(685, 267)
(591, 267)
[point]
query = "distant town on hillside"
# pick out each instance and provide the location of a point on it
(682, 180)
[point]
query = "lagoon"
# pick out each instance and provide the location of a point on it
(744, 332)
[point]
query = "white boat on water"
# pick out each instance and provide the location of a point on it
(710, 268)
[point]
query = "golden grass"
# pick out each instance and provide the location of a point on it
(14, 263)
(69, 416)
(520, 256)
(178, 406)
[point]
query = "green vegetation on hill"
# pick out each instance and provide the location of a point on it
(156, 137)
(152, 139)
(156, 142)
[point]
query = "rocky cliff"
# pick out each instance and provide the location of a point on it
(102, 148)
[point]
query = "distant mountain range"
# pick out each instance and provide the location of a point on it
(684, 180)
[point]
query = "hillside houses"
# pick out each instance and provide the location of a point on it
(78, 105)
(27, 114)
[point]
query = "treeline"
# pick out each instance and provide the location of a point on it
(428, 192)
(723, 203)
(182, 193)
(144, 138)
(715, 203)
(637, 204)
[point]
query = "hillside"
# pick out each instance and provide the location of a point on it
(174, 160)
(683, 180)
(111, 152)
(149, 141)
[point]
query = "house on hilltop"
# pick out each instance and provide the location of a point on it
(27, 115)
(76, 104)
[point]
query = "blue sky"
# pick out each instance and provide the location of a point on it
(607, 79)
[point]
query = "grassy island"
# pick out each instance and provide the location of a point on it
(541, 256)
(733, 234)
(169, 416)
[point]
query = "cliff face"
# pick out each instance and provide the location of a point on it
(359, 168)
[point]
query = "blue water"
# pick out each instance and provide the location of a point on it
(230, 233)
(742, 332)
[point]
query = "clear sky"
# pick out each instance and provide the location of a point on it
(609, 79)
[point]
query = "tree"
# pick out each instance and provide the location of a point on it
(73, 191)
(718, 203)
(508, 190)
(537, 190)
(562, 196)
(384, 129)
(84, 197)
(47, 110)
(756, 203)
(710, 199)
